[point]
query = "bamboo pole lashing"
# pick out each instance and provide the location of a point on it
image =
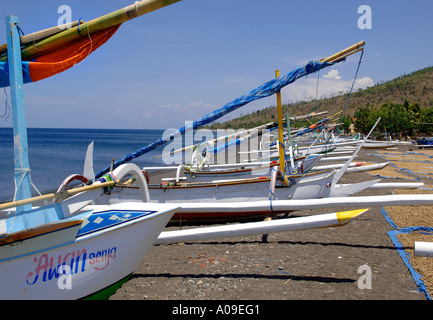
(346, 52)
(42, 34)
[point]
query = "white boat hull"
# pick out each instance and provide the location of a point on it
(315, 185)
(95, 259)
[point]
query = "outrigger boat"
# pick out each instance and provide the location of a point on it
(306, 186)
(303, 164)
(200, 170)
(62, 251)
(424, 142)
(56, 249)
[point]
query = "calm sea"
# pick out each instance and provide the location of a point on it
(55, 154)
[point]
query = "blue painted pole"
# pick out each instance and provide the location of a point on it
(22, 167)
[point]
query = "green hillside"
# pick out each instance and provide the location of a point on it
(415, 88)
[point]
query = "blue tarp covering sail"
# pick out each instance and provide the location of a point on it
(269, 88)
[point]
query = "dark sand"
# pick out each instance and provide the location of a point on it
(303, 265)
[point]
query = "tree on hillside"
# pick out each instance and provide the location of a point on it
(346, 121)
(426, 121)
(362, 115)
(395, 118)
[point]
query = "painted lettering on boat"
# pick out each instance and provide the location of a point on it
(48, 267)
(102, 257)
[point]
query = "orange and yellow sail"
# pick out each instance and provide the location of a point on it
(59, 60)
(62, 51)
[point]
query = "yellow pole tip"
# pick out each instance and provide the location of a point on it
(345, 216)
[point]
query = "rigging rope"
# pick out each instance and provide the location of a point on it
(7, 112)
(351, 89)
(317, 89)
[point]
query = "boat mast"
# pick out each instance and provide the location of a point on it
(21, 157)
(334, 58)
(281, 150)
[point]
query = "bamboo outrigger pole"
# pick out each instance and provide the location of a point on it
(130, 12)
(56, 195)
(345, 53)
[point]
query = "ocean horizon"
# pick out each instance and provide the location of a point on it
(56, 153)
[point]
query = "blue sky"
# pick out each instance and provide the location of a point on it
(185, 60)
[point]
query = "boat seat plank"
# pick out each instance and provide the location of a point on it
(34, 232)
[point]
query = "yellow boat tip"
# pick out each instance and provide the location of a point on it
(344, 216)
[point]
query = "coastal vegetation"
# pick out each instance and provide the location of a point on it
(405, 105)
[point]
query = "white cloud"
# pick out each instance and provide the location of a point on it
(332, 74)
(363, 83)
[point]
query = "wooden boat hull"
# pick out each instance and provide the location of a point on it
(100, 252)
(204, 217)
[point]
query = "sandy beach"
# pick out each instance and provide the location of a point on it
(330, 263)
